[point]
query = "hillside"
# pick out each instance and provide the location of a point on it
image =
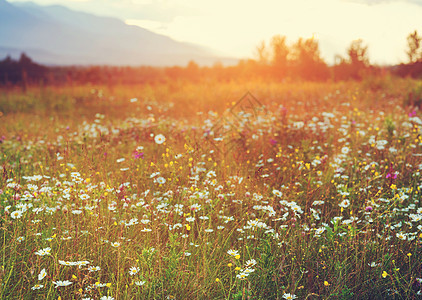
(56, 35)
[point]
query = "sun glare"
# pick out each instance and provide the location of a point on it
(236, 27)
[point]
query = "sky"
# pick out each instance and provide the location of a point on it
(234, 28)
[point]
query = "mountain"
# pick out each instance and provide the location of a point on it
(56, 35)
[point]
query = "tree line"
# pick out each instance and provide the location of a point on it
(23, 70)
(302, 60)
(276, 60)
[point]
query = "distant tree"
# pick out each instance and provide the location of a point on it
(25, 60)
(414, 45)
(279, 55)
(358, 54)
(306, 60)
(8, 60)
(174, 73)
(262, 54)
(25, 63)
(355, 65)
(23, 71)
(341, 68)
(192, 71)
(262, 66)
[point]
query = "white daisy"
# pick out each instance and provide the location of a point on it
(133, 271)
(16, 214)
(42, 274)
(159, 139)
(62, 283)
(42, 252)
(37, 287)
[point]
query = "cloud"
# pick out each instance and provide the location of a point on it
(376, 2)
(418, 2)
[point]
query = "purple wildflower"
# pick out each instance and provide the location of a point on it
(391, 175)
(138, 154)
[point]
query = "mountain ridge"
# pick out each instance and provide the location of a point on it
(80, 38)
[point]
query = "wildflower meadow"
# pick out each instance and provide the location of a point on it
(212, 190)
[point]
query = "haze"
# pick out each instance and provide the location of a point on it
(235, 28)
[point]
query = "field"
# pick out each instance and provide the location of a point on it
(212, 190)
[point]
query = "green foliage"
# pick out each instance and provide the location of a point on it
(345, 294)
(389, 124)
(414, 96)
